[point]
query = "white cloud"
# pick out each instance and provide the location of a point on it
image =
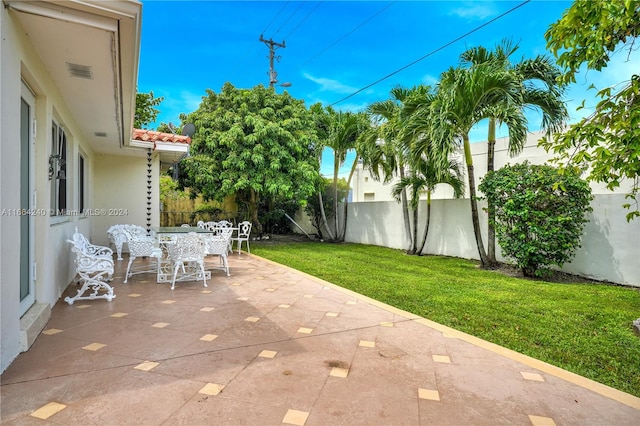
(327, 84)
(429, 80)
(474, 11)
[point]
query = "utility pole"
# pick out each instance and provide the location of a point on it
(273, 75)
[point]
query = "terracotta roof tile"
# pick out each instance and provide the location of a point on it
(153, 136)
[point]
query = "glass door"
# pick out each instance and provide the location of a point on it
(27, 108)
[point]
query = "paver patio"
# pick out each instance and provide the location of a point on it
(270, 346)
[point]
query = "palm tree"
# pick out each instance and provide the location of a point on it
(322, 119)
(389, 145)
(541, 90)
(424, 177)
(345, 128)
(466, 96)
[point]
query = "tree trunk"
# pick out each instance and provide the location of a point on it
(474, 202)
(336, 167)
(253, 211)
(405, 209)
(346, 201)
(324, 217)
(491, 210)
(426, 225)
(414, 238)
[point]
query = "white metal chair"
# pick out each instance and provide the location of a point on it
(209, 226)
(119, 234)
(218, 245)
(188, 253)
(142, 246)
(94, 266)
(244, 230)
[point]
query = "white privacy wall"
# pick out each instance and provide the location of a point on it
(610, 245)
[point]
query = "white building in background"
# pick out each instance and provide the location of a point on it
(366, 188)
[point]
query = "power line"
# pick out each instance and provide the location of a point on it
(303, 19)
(432, 52)
(350, 32)
(289, 18)
(274, 18)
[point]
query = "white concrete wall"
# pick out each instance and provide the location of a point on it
(610, 246)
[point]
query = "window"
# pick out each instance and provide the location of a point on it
(369, 196)
(366, 178)
(81, 184)
(58, 165)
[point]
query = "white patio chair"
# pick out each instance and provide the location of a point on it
(83, 244)
(244, 230)
(225, 224)
(209, 226)
(94, 266)
(142, 246)
(118, 235)
(218, 245)
(188, 253)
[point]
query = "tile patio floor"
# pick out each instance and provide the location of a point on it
(272, 346)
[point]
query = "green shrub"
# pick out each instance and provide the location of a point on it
(540, 214)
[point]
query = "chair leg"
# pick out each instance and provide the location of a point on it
(204, 277)
(126, 276)
(226, 265)
(175, 273)
(93, 283)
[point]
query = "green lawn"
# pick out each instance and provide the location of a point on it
(585, 328)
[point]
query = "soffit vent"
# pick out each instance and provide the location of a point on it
(80, 71)
(100, 134)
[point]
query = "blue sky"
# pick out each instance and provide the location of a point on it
(336, 48)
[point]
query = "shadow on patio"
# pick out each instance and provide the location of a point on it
(270, 345)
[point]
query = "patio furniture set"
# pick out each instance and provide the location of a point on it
(179, 254)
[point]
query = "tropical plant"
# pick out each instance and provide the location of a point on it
(389, 144)
(608, 141)
(540, 90)
(317, 213)
(251, 143)
(465, 96)
(322, 124)
(540, 214)
(345, 129)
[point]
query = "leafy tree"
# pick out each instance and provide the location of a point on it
(146, 111)
(540, 90)
(253, 143)
(169, 190)
(540, 214)
(608, 141)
